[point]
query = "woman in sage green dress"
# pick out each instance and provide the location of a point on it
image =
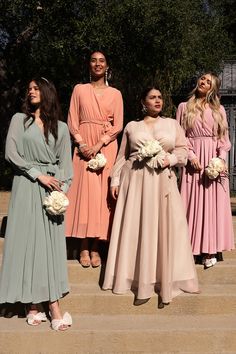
(34, 266)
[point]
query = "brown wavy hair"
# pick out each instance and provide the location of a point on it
(50, 109)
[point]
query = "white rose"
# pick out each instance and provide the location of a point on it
(149, 149)
(212, 173)
(93, 164)
(56, 203)
(97, 162)
(217, 163)
(101, 160)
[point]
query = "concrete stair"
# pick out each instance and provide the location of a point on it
(105, 323)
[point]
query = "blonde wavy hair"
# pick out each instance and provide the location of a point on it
(196, 104)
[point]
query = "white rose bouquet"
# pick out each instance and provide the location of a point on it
(56, 203)
(98, 162)
(153, 152)
(215, 167)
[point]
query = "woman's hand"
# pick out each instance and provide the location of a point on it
(196, 164)
(87, 152)
(91, 151)
(50, 182)
(114, 192)
(225, 167)
(166, 163)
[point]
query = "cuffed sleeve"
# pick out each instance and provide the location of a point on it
(178, 157)
(121, 159)
(14, 149)
(223, 144)
(65, 159)
(74, 115)
(179, 118)
(117, 124)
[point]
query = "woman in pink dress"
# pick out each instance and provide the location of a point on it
(207, 201)
(150, 249)
(95, 119)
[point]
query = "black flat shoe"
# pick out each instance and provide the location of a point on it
(138, 302)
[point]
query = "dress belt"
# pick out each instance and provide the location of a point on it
(105, 124)
(51, 166)
(201, 137)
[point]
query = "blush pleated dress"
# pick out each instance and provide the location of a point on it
(150, 249)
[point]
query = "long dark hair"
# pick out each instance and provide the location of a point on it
(50, 109)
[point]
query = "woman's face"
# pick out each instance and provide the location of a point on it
(34, 93)
(98, 65)
(204, 84)
(153, 102)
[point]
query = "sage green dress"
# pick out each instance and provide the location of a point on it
(34, 260)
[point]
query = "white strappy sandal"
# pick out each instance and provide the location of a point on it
(39, 317)
(66, 320)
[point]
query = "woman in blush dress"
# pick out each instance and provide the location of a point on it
(34, 268)
(206, 200)
(150, 249)
(95, 119)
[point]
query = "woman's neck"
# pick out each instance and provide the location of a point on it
(151, 119)
(98, 83)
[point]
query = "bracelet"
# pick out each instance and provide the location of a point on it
(82, 145)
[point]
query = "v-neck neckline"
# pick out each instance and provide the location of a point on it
(98, 95)
(152, 129)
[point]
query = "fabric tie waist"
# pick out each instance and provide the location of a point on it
(202, 137)
(105, 124)
(51, 166)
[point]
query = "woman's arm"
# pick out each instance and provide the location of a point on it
(14, 148)
(122, 156)
(192, 157)
(74, 116)
(65, 159)
(178, 157)
(223, 144)
(117, 120)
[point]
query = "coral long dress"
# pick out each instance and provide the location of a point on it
(207, 202)
(92, 118)
(150, 249)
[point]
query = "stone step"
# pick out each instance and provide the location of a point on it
(213, 299)
(226, 254)
(4, 201)
(222, 273)
(147, 334)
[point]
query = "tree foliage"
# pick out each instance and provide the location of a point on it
(153, 41)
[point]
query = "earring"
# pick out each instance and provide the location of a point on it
(144, 109)
(90, 77)
(106, 77)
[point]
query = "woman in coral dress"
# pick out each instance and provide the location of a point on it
(207, 201)
(95, 119)
(150, 249)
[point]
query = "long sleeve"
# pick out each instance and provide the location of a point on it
(179, 118)
(223, 144)
(14, 148)
(73, 115)
(178, 156)
(65, 159)
(121, 159)
(117, 120)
